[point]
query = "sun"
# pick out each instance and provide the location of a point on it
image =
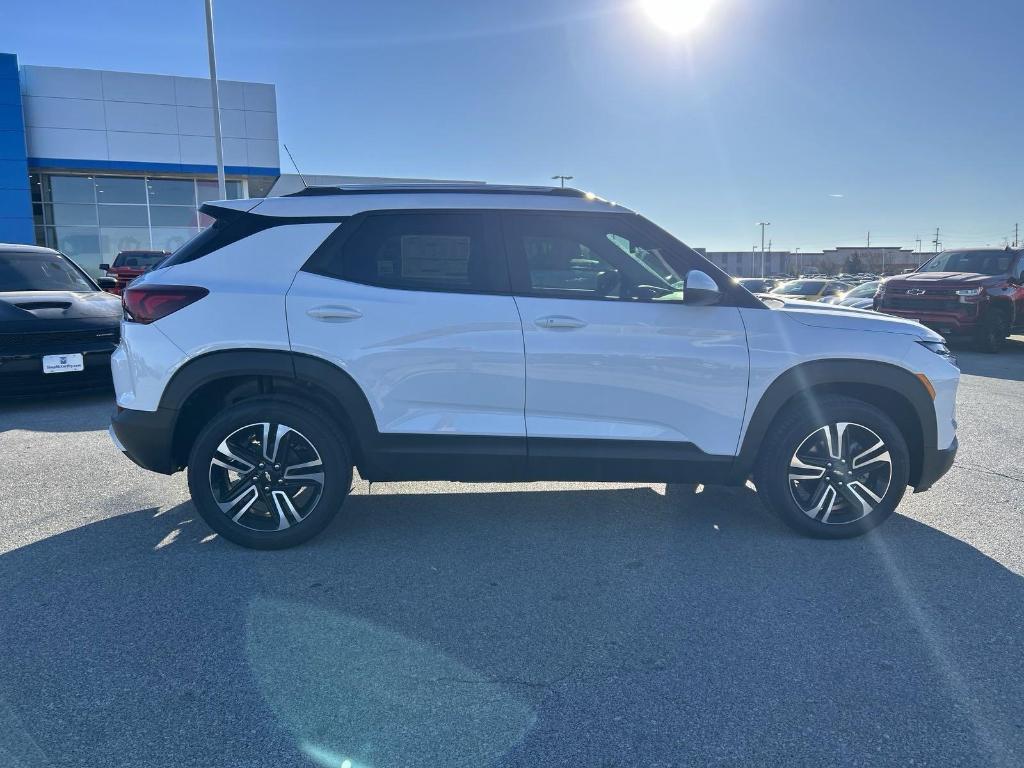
(678, 17)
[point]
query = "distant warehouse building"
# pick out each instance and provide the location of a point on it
(93, 162)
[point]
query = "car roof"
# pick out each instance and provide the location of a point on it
(352, 199)
(22, 248)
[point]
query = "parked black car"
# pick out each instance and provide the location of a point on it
(57, 326)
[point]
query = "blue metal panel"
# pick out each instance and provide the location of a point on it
(71, 164)
(15, 198)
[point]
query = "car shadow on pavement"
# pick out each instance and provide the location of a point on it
(580, 627)
(1008, 363)
(58, 413)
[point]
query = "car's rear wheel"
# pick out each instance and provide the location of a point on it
(993, 331)
(269, 474)
(833, 468)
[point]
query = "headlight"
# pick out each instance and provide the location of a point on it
(969, 292)
(939, 348)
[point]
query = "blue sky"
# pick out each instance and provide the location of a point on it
(911, 110)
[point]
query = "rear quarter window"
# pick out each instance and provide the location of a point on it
(419, 251)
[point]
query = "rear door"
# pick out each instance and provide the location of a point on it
(415, 306)
(612, 353)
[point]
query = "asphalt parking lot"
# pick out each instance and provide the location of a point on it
(443, 624)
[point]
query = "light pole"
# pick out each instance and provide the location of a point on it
(763, 224)
(798, 270)
(562, 179)
(215, 96)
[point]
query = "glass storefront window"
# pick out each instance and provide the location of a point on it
(172, 192)
(113, 189)
(72, 189)
(207, 191)
(113, 240)
(71, 213)
(172, 216)
(172, 238)
(92, 218)
(81, 244)
(123, 216)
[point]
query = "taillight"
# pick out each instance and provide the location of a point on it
(148, 303)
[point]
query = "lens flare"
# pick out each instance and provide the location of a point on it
(678, 17)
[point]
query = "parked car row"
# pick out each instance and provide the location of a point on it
(972, 294)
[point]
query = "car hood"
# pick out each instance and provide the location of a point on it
(34, 311)
(820, 315)
(925, 279)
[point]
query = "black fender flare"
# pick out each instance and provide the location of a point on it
(347, 403)
(846, 375)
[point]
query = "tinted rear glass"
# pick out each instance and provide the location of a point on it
(422, 251)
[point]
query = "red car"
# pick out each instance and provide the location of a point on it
(975, 293)
(130, 264)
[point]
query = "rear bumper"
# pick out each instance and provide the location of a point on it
(146, 437)
(934, 465)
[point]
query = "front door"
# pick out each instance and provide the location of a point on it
(612, 353)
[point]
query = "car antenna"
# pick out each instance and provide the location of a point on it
(296, 166)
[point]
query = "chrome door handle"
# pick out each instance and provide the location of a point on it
(334, 314)
(559, 321)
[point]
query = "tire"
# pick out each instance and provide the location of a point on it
(237, 486)
(860, 483)
(993, 331)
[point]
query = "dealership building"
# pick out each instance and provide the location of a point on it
(95, 162)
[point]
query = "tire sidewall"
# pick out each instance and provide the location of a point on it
(772, 475)
(316, 427)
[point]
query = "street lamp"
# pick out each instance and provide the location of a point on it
(215, 97)
(763, 224)
(562, 179)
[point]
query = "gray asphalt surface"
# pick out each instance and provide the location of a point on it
(443, 624)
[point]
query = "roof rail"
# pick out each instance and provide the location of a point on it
(437, 188)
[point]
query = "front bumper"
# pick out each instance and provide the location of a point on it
(946, 323)
(146, 437)
(22, 375)
(934, 465)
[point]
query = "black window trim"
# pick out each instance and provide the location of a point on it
(732, 295)
(319, 261)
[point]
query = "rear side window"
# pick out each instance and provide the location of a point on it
(453, 252)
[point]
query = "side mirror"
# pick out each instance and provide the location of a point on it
(106, 283)
(104, 267)
(700, 290)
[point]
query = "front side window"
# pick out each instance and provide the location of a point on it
(589, 257)
(21, 271)
(423, 251)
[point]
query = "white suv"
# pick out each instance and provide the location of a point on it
(500, 333)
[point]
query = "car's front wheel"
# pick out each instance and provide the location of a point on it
(993, 331)
(269, 474)
(833, 468)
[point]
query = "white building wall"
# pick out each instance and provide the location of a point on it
(98, 115)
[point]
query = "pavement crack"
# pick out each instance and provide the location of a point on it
(987, 471)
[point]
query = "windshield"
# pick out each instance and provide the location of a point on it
(800, 288)
(41, 272)
(863, 291)
(139, 259)
(987, 262)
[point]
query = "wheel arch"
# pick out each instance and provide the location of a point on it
(895, 391)
(218, 379)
